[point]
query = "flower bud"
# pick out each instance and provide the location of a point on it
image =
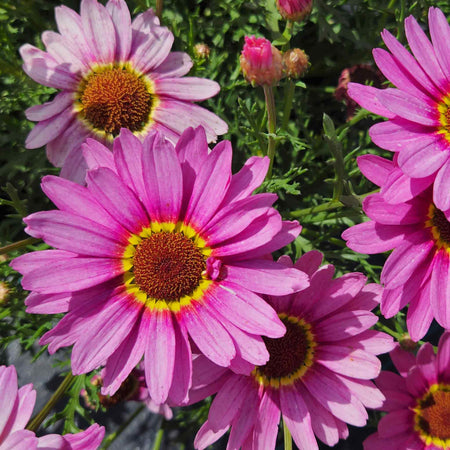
(201, 51)
(261, 62)
(4, 292)
(294, 10)
(295, 63)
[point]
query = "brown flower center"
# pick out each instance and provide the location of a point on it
(168, 266)
(433, 416)
(115, 98)
(440, 227)
(290, 355)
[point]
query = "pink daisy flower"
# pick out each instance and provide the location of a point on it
(417, 401)
(417, 272)
(164, 244)
(112, 73)
(16, 407)
(419, 109)
(318, 375)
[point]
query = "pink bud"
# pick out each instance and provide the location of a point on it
(261, 61)
(294, 10)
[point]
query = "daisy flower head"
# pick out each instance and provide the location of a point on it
(417, 400)
(162, 249)
(318, 375)
(16, 407)
(112, 72)
(418, 108)
(417, 272)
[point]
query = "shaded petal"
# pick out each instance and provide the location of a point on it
(440, 288)
(160, 355)
(47, 130)
(206, 436)
(365, 391)
(403, 360)
(20, 440)
(395, 422)
(443, 357)
(47, 304)
(176, 64)
(297, 418)
(246, 310)
(441, 187)
(50, 109)
(88, 439)
(125, 358)
(371, 341)
(97, 155)
(74, 167)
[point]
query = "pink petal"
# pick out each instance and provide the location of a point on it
(120, 15)
(440, 36)
(97, 155)
(99, 30)
(50, 109)
(88, 439)
(160, 355)
(365, 391)
(8, 382)
(176, 64)
(374, 167)
(395, 422)
(441, 187)
(400, 188)
(402, 360)
(74, 167)
(440, 288)
(443, 357)
(188, 88)
(266, 428)
(206, 436)
(47, 304)
(366, 96)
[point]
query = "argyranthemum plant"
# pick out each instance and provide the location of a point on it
(417, 400)
(113, 73)
(417, 273)
(164, 244)
(16, 406)
(419, 109)
(318, 376)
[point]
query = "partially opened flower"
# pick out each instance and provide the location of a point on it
(419, 109)
(113, 73)
(16, 407)
(318, 375)
(417, 401)
(163, 244)
(417, 272)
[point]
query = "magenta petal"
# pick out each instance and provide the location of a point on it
(370, 341)
(402, 360)
(440, 36)
(409, 107)
(297, 418)
(206, 436)
(8, 382)
(420, 314)
(20, 440)
(366, 96)
(97, 155)
(395, 422)
(163, 180)
(266, 428)
(246, 310)
(210, 186)
(443, 357)
(266, 277)
(405, 259)
(400, 188)
(160, 355)
(426, 361)
(104, 333)
(74, 167)
(210, 336)
(365, 391)
(77, 234)
(117, 199)
(88, 439)
(374, 167)
(228, 401)
(47, 304)
(124, 359)
(423, 160)
(352, 363)
(440, 288)
(441, 187)
(182, 377)
(371, 237)
(332, 394)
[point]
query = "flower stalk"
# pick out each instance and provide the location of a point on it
(54, 399)
(287, 437)
(271, 125)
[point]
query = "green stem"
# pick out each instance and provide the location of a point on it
(159, 8)
(271, 126)
(289, 97)
(113, 436)
(287, 437)
(16, 245)
(158, 439)
(386, 329)
(54, 399)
